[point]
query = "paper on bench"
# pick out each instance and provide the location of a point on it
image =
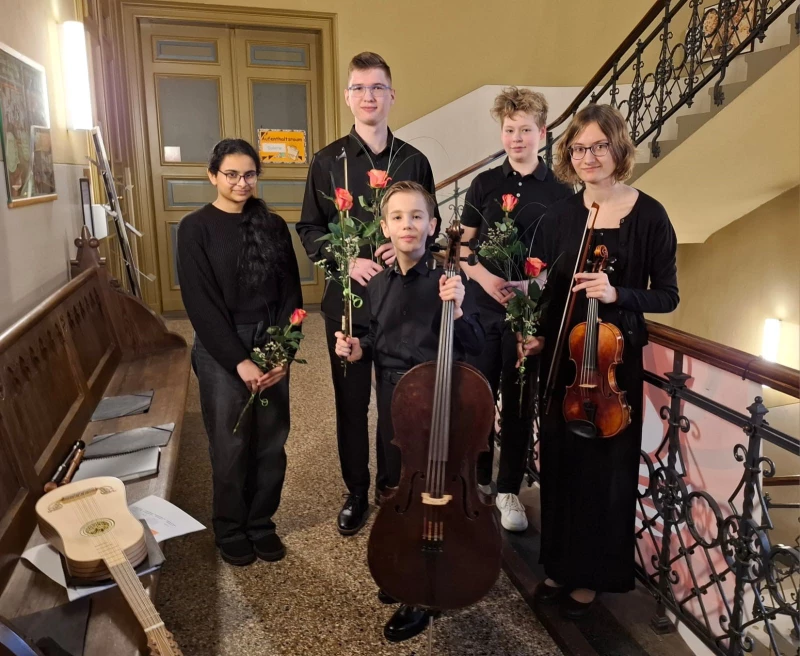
(164, 519)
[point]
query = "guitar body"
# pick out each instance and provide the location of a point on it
(93, 508)
(90, 524)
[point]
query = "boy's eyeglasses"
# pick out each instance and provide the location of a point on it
(377, 90)
(233, 177)
(579, 152)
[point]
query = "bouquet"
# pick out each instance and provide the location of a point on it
(504, 248)
(279, 351)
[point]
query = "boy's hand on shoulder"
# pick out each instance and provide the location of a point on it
(348, 347)
(386, 253)
(362, 269)
(452, 289)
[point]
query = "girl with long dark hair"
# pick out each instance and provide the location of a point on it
(588, 486)
(239, 276)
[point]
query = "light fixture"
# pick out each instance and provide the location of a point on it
(75, 66)
(772, 339)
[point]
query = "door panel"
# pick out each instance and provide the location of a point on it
(203, 84)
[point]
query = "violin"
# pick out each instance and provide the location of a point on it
(594, 405)
(436, 543)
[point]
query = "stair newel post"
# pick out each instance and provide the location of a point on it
(670, 493)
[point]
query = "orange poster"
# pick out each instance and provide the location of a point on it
(282, 146)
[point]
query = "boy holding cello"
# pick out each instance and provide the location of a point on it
(405, 307)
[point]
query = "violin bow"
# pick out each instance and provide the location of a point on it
(566, 317)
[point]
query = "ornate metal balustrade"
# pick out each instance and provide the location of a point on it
(712, 564)
(677, 49)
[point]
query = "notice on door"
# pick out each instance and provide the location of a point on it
(282, 146)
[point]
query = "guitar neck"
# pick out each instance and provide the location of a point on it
(159, 640)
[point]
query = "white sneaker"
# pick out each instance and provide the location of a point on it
(512, 512)
(486, 489)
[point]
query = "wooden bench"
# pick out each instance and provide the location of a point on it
(86, 341)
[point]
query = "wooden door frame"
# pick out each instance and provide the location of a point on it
(132, 13)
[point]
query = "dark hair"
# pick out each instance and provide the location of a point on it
(365, 61)
(261, 254)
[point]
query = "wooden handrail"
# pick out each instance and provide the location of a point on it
(781, 481)
(641, 26)
(748, 366)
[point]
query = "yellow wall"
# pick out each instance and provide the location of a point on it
(31, 28)
(440, 50)
(747, 272)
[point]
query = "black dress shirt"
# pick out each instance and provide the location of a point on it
(482, 209)
(405, 318)
(209, 241)
(327, 171)
(646, 272)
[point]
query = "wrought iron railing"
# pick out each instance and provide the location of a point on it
(710, 563)
(676, 50)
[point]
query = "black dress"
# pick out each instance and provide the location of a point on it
(589, 486)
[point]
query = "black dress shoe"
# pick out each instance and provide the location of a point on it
(407, 622)
(238, 552)
(547, 594)
(353, 514)
(574, 609)
(385, 598)
(269, 548)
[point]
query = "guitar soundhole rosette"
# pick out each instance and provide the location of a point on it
(97, 527)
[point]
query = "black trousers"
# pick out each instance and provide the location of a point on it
(249, 466)
(497, 363)
(352, 387)
(387, 380)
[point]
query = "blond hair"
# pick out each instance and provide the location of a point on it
(613, 125)
(409, 186)
(514, 99)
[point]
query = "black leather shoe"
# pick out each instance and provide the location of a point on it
(269, 548)
(353, 514)
(574, 609)
(239, 552)
(407, 622)
(385, 598)
(547, 594)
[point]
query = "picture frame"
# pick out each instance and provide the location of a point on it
(25, 136)
(714, 27)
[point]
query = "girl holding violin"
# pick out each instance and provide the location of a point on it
(589, 476)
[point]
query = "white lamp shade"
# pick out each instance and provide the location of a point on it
(75, 66)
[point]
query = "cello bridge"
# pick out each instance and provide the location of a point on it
(428, 500)
(588, 386)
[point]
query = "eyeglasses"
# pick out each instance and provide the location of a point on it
(233, 177)
(377, 90)
(579, 152)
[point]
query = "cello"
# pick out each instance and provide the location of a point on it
(436, 543)
(594, 405)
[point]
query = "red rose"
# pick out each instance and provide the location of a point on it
(378, 179)
(509, 203)
(533, 267)
(344, 200)
(297, 317)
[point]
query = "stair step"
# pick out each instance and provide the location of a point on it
(618, 624)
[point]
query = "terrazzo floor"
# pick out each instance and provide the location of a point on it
(320, 600)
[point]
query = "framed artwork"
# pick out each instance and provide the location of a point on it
(25, 130)
(734, 30)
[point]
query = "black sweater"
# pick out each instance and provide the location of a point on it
(208, 250)
(647, 270)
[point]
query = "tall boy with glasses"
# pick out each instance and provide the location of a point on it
(370, 145)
